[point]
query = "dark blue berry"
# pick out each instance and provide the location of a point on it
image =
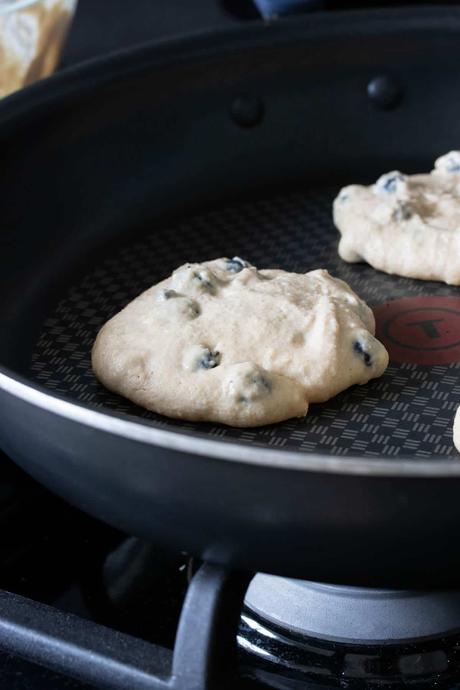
(209, 359)
(391, 183)
(360, 350)
(236, 264)
(387, 184)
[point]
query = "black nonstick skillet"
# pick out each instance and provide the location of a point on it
(116, 172)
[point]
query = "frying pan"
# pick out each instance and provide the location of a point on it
(116, 172)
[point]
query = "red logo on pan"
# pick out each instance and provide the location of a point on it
(421, 330)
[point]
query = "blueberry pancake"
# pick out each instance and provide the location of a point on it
(408, 225)
(222, 341)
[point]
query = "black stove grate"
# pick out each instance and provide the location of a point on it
(204, 656)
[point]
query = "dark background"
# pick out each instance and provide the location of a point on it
(103, 26)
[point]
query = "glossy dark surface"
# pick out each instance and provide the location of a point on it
(287, 661)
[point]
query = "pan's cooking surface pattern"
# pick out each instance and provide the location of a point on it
(408, 412)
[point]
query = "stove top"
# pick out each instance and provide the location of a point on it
(89, 602)
(58, 561)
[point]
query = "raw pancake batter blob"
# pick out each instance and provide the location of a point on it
(222, 341)
(408, 225)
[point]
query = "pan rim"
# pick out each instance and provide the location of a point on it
(177, 441)
(93, 73)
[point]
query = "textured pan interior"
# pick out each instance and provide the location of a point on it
(409, 411)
